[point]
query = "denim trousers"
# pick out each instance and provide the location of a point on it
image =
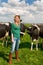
(15, 45)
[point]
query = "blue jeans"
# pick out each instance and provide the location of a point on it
(15, 45)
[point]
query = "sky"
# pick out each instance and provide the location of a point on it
(31, 11)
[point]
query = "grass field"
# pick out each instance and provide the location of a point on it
(27, 57)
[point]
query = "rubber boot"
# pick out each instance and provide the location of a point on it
(16, 54)
(10, 58)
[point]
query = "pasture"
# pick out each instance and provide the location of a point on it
(27, 57)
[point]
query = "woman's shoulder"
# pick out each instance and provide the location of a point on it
(12, 24)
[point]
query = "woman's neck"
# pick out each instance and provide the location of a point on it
(17, 23)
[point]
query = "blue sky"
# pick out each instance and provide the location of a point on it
(27, 1)
(30, 1)
(4, 0)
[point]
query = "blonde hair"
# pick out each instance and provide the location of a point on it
(17, 16)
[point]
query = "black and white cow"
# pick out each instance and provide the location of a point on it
(22, 28)
(35, 31)
(5, 30)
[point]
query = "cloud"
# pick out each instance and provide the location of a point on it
(29, 13)
(38, 14)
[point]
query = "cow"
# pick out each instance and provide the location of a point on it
(22, 28)
(5, 30)
(35, 31)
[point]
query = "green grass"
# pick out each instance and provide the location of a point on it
(27, 57)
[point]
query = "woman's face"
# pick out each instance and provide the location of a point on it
(17, 19)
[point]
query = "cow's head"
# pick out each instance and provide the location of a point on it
(8, 29)
(33, 30)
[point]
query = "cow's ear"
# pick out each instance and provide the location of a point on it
(20, 20)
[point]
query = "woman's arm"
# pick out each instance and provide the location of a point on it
(12, 38)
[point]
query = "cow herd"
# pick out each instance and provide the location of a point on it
(35, 31)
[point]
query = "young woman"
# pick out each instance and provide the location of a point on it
(15, 37)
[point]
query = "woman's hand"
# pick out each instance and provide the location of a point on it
(12, 39)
